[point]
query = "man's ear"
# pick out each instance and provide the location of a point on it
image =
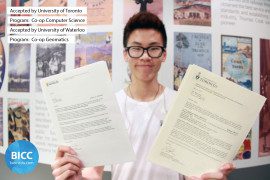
(164, 56)
(125, 53)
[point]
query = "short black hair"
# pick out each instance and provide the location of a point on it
(144, 20)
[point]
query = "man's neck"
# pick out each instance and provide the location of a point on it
(144, 91)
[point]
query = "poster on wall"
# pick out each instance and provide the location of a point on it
(99, 12)
(237, 67)
(17, 3)
(18, 120)
(52, 3)
(191, 48)
(21, 3)
(94, 47)
(192, 12)
(2, 64)
(2, 17)
(50, 60)
(244, 151)
(264, 124)
(134, 6)
(237, 60)
(1, 122)
(19, 68)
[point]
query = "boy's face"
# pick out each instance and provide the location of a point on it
(145, 68)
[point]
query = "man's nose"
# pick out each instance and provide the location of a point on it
(145, 55)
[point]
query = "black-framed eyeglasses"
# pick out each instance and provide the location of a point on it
(152, 51)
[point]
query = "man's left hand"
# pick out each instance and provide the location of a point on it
(221, 174)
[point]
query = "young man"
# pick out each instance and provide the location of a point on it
(143, 104)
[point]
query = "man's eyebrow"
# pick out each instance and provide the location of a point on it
(138, 43)
(154, 43)
(135, 43)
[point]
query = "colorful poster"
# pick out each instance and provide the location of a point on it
(99, 12)
(18, 120)
(191, 48)
(2, 64)
(264, 130)
(2, 17)
(244, 151)
(1, 122)
(50, 60)
(94, 47)
(192, 12)
(21, 3)
(132, 7)
(237, 60)
(19, 68)
(237, 67)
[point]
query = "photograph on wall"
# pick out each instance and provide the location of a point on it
(264, 124)
(93, 47)
(1, 122)
(236, 54)
(52, 3)
(237, 60)
(2, 17)
(17, 3)
(132, 7)
(18, 120)
(99, 12)
(191, 48)
(192, 12)
(2, 64)
(19, 68)
(50, 60)
(21, 3)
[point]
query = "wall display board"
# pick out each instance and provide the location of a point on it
(229, 37)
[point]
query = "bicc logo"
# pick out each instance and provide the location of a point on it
(21, 157)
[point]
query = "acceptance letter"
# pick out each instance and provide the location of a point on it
(206, 125)
(85, 112)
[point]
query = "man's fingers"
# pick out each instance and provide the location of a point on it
(192, 178)
(66, 167)
(64, 149)
(66, 175)
(65, 160)
(214, 175)
(227, 168)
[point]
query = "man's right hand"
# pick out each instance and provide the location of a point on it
(66, 165)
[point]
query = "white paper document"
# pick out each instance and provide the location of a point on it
(87, 117)
(206, 124)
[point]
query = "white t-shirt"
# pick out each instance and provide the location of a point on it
(143, 120)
